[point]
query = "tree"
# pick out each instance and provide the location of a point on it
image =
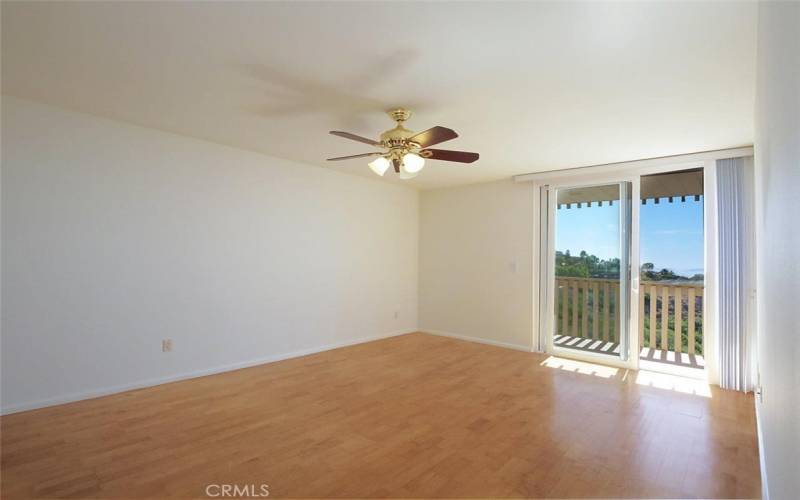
(591, 266)
(667, 274)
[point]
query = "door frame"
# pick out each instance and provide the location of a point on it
(631, 280)
(615, 172)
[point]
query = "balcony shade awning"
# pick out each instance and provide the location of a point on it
(672, 186)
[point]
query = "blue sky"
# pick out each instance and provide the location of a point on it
(671, 233)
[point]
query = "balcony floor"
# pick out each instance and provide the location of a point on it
(656, 359)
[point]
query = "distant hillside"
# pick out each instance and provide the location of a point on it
(584, 265)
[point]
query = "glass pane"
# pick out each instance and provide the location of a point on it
(672, 274)
(588, 261)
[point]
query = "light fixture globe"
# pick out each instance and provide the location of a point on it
(405, 174)
(379, 165)
(413, 163)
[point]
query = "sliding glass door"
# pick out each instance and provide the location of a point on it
(589, 271)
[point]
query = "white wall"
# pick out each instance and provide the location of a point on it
(115, 237)
(475, 262)
(777, 150)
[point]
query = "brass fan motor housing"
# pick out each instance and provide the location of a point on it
(397, 137)
(397, 134)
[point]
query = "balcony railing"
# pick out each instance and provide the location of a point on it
(670, 318)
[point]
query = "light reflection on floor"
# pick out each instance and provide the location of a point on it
(581, 367)
(685, 385)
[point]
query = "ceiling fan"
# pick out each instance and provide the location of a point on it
(406, 150)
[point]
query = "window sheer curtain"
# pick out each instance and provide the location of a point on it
(736, 278)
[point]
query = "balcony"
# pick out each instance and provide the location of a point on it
(587, 318)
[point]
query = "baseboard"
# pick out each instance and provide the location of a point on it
(106, 391)
(761, 462)
(479, 340)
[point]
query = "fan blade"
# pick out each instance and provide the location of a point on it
(447, 155)
(338, 158)
(396, 164)
(433, 136)
(354, 137)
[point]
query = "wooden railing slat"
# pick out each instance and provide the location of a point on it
(641, 317)
(595, 310)
(653, 305)
(665, 318)
(557, 308)
(561, 299)
(615, 331)
(606, 307)
(678, 319)
(585, 312)
(690, 314)
(574, 328)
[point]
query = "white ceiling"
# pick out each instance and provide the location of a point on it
(530, 86)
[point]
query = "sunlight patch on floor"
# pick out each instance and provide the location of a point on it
(679, 370)
(675, 383)
(581, 367)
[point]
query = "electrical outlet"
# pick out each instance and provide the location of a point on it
(166, 345)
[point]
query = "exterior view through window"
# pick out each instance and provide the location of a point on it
(588, 255)
(672, 273)
(591, 299)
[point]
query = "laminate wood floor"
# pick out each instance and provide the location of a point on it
(410, 416)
